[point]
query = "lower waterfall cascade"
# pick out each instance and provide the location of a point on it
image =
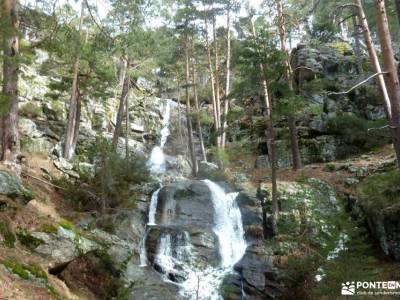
(176, 261)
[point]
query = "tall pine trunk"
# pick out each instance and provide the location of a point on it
(127, 128)
(188, 109)
(9, 98)
(77, 123)
(121, 106)
(217, 91)
(373, 57)
(270, 138)
(72, 112)
(357, 45)
(296, 158)
(392, 78)
(197, 108)
(212, 81)
(227, 82)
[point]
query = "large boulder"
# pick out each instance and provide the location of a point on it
(207, 170)
(29, 128)
(94, 273)
(60, 247)
(12, 187)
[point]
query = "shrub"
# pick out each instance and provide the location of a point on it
(8, 236)
(28, 240)
(112, 179)
(354, 130)
(381, 193)
(30, 110)
(25, 271)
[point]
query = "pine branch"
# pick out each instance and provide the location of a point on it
(357, 85)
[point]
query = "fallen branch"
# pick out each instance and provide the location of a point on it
(43, 181)
(357, 85)
(380, 128)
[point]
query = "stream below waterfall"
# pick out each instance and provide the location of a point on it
(175, 258)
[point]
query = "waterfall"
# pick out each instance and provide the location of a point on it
(228, 225)
(176, 260)
(153, 208)
(156, 162)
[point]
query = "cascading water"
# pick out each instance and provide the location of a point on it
(175, 257)
(156, 162)
(228, 225)
(156, 165)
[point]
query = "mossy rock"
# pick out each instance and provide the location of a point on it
(12, 187)
(25, 271)
(28, 240)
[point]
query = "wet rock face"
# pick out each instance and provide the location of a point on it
(185, 208)
(187, 204)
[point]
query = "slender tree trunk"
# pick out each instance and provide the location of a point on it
(357, 45)
(217, 92)
(393, 84)
(270, 137)
(179, 113)
(69, 135)
(120, 114)
(197, 108)
(9, 98)
(212, 82)
(227, 82)
(127, 129)
(188, 109)
(374, 57)
(77, 123)
(296, 158)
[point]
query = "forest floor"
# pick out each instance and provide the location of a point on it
(335, 174)
(48, 207)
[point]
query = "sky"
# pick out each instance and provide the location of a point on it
(103, 7)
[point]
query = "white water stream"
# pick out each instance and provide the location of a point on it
(175, 257)
(175, 254)
(156, 162)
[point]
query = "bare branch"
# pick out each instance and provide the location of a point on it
(357, 85)
(302, 68)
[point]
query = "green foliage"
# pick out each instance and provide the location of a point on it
(30, 110)
(220, 155)
(48, 228)
(380, 193)
(330, 167)
(27, 239)
(66, 225)
(8, 236)
(354, 130)
(321, 84)
(112, 179)
(25, 271)
(320, 238)
(205, 118)
(339, 46)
